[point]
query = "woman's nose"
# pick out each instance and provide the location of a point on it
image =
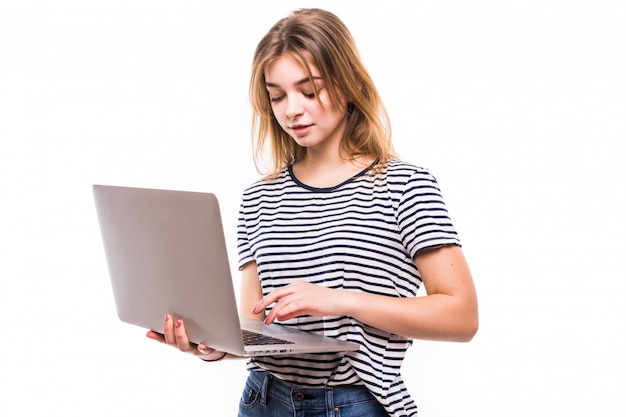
(294, 107)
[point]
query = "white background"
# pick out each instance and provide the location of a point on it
(519, 108)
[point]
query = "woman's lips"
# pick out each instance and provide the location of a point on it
(300, 130)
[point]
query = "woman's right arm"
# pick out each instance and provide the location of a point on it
(251, 292)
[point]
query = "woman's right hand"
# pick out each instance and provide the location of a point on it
(175, 335)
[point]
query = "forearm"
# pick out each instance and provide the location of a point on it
(432, 317)
(448, 312)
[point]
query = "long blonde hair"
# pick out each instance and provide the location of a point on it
(318, 38)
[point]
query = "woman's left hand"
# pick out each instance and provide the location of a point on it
(301, 298)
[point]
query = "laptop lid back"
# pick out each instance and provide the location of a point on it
(166, 253)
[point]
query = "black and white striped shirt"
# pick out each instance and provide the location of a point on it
(361, 235)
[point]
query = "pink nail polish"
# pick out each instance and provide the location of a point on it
(167, 317)
(177, 323)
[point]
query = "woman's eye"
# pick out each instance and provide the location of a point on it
(313, 93)
(276, 99)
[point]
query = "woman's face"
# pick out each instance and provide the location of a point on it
(310, 123)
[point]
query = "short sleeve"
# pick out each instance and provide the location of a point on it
(422, 215)
(244, 251)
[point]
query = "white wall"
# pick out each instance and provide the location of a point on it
(518, 108)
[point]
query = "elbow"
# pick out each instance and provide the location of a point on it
(469, 323)
(461, 331)
(468, 331)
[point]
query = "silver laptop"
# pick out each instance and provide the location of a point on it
(166, 253)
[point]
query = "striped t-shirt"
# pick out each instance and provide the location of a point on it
(361, 235)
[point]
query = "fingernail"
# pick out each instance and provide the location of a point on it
(203, 351)
(177, 323)
(167, 317)
(255, 307)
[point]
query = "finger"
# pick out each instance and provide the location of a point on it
(168, 330)
(260, 306)
(204, 349)
(283, 298)
(270, 298)
(285, 312)
(155, 336)
(182, 340)
(270, 317)
(276, 311)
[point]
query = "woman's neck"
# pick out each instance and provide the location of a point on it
(329, 171)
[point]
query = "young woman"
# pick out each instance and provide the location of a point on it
(340, 235)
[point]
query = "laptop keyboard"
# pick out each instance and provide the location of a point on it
(252, 338)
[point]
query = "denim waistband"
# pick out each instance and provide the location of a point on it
(303, 397)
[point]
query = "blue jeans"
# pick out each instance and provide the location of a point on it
(268, 396)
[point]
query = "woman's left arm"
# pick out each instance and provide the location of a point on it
(448, 312)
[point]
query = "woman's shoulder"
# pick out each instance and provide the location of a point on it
(268, 183)
(397, 168)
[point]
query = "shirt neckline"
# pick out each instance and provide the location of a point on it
(334, 187)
